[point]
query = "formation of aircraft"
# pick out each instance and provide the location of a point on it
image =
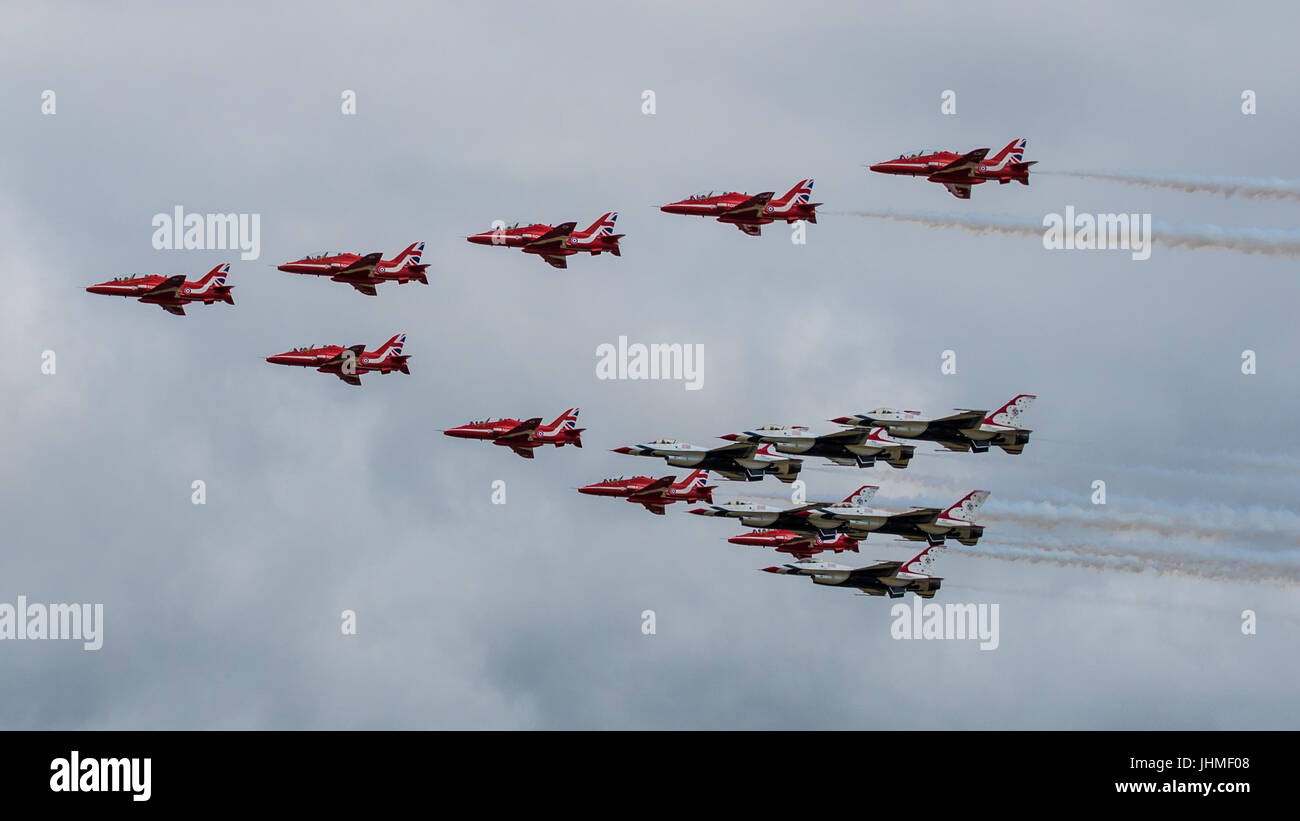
(958, 172)
(655, 494)
(966, 430)
(854, 447)
(348, 362)
(172, 293)
(526, 436)
(555, 243)
(892, 579)
(750, 212)
(364, 272)
(740, 461)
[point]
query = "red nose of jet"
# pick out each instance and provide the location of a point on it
(731, 437)
(280, 359)
(101, 288)
(624, 449)
(842, 420)
(484, 238)
(462, 432)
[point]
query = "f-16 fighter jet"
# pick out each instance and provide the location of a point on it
(554, 243)
(958, 172)
(859, 447)
(364, 272)
(931, 524)
(171, 293)
(348, 363)
(803, 518)
(526, 436)
(966, 430)
(655, 494)
(892, 579)
(742, 461)
(750, 212)
(799, 545)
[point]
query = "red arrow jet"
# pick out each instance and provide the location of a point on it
(348, 363)
(801, 545)
(554, 243)
(171, 293)
(655, 494)
(524, 437)
(750, 212)
(958, 172)
(364, 272)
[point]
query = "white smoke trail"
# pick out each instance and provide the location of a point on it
(1270, 242)
(1158, 564)
(1252, 188)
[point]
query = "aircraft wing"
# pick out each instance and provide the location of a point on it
(556, 260)
(752, 207)
(522, 431)
(652, 492)
(654, 507)
(873, 571)
(848, 436)
(738, 450)
(915, 516)
(357, 351)
(751, 230)
(364, 287)
(557, 237)
(527, 453)
(350, 378)
(961, 167)
(363, 268)
(173, 309)
(169, 287)
(959, 190)
(962, 419)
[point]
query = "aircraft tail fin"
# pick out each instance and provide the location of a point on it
(967, 508)
(1013, 153)
(862, 496)
(922, 564)
(410, 256)
(1011, 414)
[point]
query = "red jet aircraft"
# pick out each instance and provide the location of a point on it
(655, 494)
(364, 272)
(171, 293)
(524, 437)
(958, 172)
(750, 213)
(348, 363)
(554, 243)
(801, 545)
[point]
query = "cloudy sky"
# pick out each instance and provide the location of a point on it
(322, 497)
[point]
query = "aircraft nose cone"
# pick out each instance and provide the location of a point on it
(841, 420)
(624, 449)
(590, 490)
(700, 511)
(730, 437)
(770, 569)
